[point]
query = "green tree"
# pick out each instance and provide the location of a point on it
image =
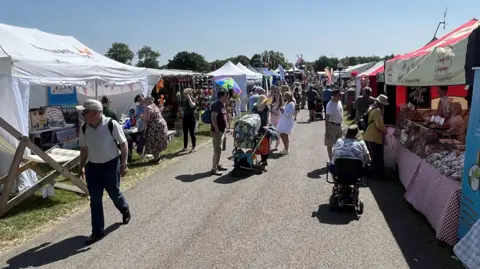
(189, 61)
(240, 59)
(147, 57)
(273, 59)
(256, 60)
(217, 64)
(388, 57)
(323, 62)
(120, 52)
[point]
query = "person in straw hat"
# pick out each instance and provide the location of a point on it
(373, 135)
(262, 109)
(277, 103)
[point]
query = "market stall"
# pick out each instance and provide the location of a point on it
(240, 77)
(265, 79)
(431, 123)
(370, 75)
(253, 78)
(32, 60)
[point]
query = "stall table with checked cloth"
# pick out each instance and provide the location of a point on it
(432, 194)
(468, 249)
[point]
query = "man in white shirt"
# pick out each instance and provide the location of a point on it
(333, 121)
(443, 104)
(100, 140)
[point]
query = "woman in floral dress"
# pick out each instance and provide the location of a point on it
(156, 133)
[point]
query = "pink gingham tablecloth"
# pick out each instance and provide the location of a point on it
(468, 249)
(407, 164)
(438, 199)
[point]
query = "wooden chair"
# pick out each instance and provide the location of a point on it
(62, 160)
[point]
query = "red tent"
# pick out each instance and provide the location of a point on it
(441, 62)
(447, 61)
(371, 74)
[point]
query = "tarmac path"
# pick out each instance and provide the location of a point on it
(182, 217)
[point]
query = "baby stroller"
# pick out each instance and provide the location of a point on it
(248, 142)
(319, 108)
(347, 179)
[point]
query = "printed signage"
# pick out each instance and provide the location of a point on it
(62, 96)
(419, 96)
(470, 201)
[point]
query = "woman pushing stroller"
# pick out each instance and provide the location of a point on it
(261, 108)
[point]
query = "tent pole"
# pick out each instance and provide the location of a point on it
(96, 89)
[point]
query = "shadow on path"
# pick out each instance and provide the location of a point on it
(193, 177)
(317, 173)
(337, 217)
(48, 253)
(228, 179)
(413, 233)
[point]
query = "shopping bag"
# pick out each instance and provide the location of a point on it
(389, 149)
(263, 147)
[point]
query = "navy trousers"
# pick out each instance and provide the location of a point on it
(104, 176)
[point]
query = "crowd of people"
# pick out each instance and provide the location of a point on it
(107, 154)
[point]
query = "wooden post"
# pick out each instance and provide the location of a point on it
(49, 178)
(12, 175)
(15, 133)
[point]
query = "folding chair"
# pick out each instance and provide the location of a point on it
(22, 162)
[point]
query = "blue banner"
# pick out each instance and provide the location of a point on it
(62, 96)
(470, 201)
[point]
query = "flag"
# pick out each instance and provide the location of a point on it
(329, 75)
(282, 71)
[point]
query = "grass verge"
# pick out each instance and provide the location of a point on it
(37, 214)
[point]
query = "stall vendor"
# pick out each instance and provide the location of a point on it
(443, 105)
(456, 123)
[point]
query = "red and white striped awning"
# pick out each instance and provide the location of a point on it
(440, 62)
(372, 71)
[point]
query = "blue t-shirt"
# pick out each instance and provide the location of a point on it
(327, 94)
(139, 110)
(252, 100)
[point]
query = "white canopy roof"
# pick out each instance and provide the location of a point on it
(359, 67)
(250, 74)
(53, 59)
(228, 69)
(170, 72)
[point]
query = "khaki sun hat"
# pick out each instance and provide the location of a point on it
(382, 99)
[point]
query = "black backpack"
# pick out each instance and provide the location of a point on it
(110, 128)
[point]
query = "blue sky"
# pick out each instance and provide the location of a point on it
(221, 29)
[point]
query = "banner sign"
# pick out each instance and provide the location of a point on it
(419, 97)
(62, 96)
(470, 201)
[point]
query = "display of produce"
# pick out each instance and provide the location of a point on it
(430, 142)
(448, 163)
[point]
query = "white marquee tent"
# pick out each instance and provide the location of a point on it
(254, 76)
(231, 70)
(32, 60)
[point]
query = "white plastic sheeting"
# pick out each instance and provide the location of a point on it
(30, 57)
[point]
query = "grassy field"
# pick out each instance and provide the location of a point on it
(37, 214)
